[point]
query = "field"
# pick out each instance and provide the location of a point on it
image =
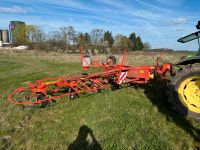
(129, 118)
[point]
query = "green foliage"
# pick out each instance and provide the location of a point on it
(133, 38)
(137, 43)
(66, 39)
(19, 35)
(122, 42)
(109, 38)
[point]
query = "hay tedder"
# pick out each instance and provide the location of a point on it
(112, 76)
(183, 85)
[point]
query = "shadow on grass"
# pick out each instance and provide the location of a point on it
(156, 94)
(85, 140)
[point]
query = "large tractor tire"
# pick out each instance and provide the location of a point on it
(184, 91)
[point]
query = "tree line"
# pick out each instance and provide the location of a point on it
(67, 39)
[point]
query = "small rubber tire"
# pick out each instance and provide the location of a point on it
(114, 86)
(72, 96)
(44, 103)
(111, 60)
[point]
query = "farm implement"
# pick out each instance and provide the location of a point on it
(182, 80)
(112, 76)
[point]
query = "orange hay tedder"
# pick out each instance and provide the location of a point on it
(113, 75)
(183, 86)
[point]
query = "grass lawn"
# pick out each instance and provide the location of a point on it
(129, 118)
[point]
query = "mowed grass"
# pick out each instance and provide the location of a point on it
(136, 117)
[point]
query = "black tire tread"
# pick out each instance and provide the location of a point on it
(113, 58)
(44, 103)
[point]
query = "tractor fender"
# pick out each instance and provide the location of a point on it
(190, 60)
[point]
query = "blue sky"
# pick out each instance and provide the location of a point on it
(159, 22)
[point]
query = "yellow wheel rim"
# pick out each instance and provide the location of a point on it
(189, 93)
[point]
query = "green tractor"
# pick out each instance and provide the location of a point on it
(184, 88)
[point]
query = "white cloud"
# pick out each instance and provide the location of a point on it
(178, 21)
(145, 14)
(14, 9)
(153, 7)
(174, 3)
(177, 30)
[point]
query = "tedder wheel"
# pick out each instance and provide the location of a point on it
(184, 91)
(111, 60)
(72, 96)
(114, 87)
(41, 96)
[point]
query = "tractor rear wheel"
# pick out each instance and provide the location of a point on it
(184, 91)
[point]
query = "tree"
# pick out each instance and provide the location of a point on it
(117, 40)
(30, 30)
(147, 46)
(34, 33)
(56, 41)
(121, 42)
(68, 34)
(124, 42)
(83, 39)
(108, 38)
(71, 35)
(19, 35)
(80, 39)
(87, 38)
(35, 37)
(55, 37)
(133, 40)
(96, 36)
(132, 37)
(139, 43)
